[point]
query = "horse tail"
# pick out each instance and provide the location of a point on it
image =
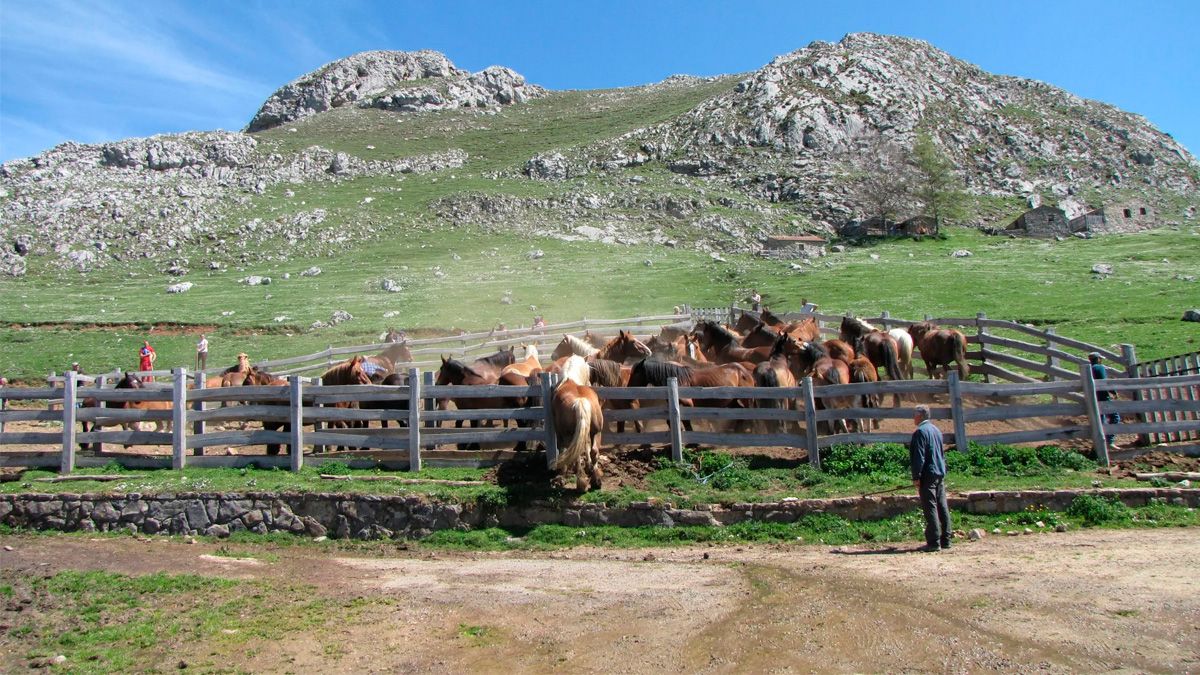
(960, 355)
(890, 362)
(569, 456)
(765, 376)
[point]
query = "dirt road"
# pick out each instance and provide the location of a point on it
(1081, 601)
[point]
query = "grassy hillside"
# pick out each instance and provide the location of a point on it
(1040, 282)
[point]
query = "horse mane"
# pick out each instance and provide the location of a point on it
(605, 373)
(657, 372)
(580, 346)
(780, 345)
(343, 372)
(815, 350)
(721, 333)
(459, 368)
(504, 357)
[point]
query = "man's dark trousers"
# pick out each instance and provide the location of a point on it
(937, 511)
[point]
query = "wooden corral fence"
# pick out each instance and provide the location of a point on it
(1183, 364)
(302, 404)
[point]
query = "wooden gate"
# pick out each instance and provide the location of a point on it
(1183, 364)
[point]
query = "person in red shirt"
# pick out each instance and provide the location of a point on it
(146, 358)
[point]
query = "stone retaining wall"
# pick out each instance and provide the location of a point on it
(379, 517)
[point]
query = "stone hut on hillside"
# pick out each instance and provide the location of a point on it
(1128, 216)
(1092, 221)
(1044, 221)
(874, 226)
(794, 246)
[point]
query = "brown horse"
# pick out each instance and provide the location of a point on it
(722, 346)
(384, 363)
(940, 347)
(594, 339)
(804, 330)
(671, 333)
(578, 423)
(392, 380)
(261, 378)
(128, 381)
(879, 347)
(862, 370)
(605, 373)
(352, 371)
(484, 370)
(839, 350)
(775, 372)
(811, 360)
(761, 335)
(529, 365)
(655, 373)
(745, 323)
(624, 347)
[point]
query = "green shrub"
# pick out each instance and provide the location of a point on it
(721, 471)
(857, 460)
(1095, 510)
(335, 469)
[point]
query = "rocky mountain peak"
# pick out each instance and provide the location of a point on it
(393, 80)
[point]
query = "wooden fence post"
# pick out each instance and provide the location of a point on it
(67, 464)
(956, 412)
(1099, 443)
(198, 427)
(179, 419)
(548, 383)
(296, 421)
(414, 419)
(810, 424)
(427, 381)
(885, 320)
(979, 317)
(317, 425)
(1051, 361)
(675, 420)
(1129, 355)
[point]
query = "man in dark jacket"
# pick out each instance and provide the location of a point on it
(1100, 372)
(928, 463)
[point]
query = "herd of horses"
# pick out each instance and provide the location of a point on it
(762, 351)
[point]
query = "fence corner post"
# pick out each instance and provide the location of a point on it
(179, 418)
(296, 422)
(956, 411)
(1095, 421)
(810, 424)
(67, 464)
(675, 419)
(414, 419)
(1129, 355)
(548, 381)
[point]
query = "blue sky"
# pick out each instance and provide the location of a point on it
(105, 70)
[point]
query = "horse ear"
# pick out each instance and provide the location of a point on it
(444, 359)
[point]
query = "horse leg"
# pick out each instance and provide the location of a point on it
(596, 474)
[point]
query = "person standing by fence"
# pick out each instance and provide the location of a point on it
(927, 457)
(1100, 372)
(202, 354)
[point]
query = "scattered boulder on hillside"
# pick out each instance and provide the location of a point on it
(82, 259)
(548, 167)
(837, 248)
(176, 270)
(11, 264)
(961, 253)
(255, 280)
(318, 324)
(340, 316)
(537, 254)
(182, 287)
(340, 164)
(311, 272)
(21, 244)
(1191, 315)
(1102, 269)
(391, 286)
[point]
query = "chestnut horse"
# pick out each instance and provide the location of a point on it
(624, 347)
(605, 373)
(761, 335)
(722, 346)
(840, 350)
(529, 365)
(261, 378)
(655, 373)
(775, 372)
(578, 423)
(862, 370)
(810, 359)
(879, 347)
(939, 347)
(484, 370)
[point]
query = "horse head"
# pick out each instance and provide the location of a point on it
(357, 373)
(129, 381)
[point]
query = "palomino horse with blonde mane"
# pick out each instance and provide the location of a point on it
(572, 345)
(528, 365)
(578, 423)
(940, 347)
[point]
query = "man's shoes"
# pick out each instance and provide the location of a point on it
(929, 548)
(1114, 446)
(945, 545)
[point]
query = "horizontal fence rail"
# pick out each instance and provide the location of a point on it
(421, 418)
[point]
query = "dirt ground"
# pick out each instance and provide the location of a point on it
(1080, 601)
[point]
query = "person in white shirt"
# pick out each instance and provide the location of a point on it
(202, 353)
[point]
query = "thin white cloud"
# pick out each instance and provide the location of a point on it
(118, 36)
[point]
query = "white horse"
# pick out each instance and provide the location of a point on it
(905, 343)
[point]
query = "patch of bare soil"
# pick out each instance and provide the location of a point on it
(1081, 601)
(1154, 461)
